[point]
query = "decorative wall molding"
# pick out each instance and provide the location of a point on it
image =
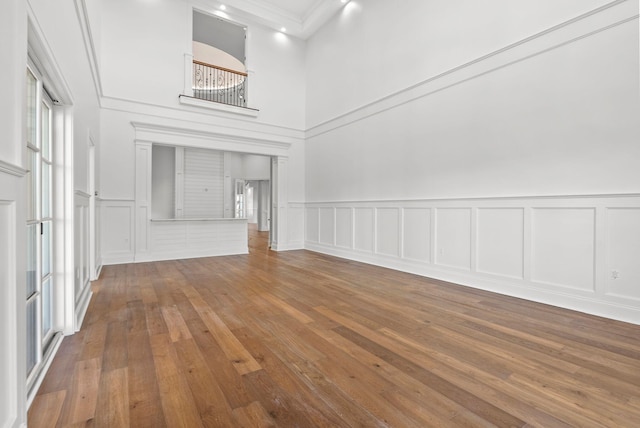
(226, 122)
(205, 138)
(82, 277)
(571, 251)
(211, 105)
(82, 305)
(89, 44)
(82, 194)
(117, 230)
(11, 169)
(606, 17)
(41, 54)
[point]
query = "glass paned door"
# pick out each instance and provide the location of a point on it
(34, 347)
(46, 229)
(39, 233)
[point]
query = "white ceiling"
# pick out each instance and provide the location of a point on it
(301, 18)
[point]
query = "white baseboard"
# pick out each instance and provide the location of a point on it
(82, 305)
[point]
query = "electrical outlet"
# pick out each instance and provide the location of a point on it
(615, 274)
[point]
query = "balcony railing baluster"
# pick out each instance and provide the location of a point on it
(219, 84)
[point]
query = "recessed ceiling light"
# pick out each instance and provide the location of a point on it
(223, 7)
(283, 30)
(343, 1)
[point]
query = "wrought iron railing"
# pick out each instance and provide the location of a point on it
(218, 84)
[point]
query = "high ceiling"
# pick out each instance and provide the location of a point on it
(301, 18)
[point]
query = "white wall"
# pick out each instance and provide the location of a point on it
(481, 111)
(376, 48)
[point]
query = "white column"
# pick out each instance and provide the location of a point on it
(279, 203)
(143, 198)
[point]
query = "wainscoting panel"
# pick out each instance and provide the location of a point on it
(117, 228)
(453, 237)
(500, 246)
(623, 276)
(295, 229)
(312, 225)
(563, 248)
(364, 233)
(577, 252)
(344, 227)
(327, 226)
(416, 234)
(82, 277)
(388, 231)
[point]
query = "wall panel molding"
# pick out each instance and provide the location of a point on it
(556, 250)
(82, 277)
(11, 169)
(117, 230)
(296, 227)
(8, 331)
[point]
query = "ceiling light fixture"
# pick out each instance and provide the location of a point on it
(223, 7)
(283, 30)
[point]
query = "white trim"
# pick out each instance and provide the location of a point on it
(89, 44)
(82, 305)
(197, 117)
(56, 341)
(40, 50)
(212, 105)
(202, 137)
(9, 168)
(468, 199)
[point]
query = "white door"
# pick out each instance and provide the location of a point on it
(40, 281)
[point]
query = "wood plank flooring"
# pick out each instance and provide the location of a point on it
(298, 339)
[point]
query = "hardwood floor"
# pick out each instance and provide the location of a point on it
(302, 339)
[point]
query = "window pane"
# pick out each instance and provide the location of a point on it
(46, 248)
(32, 335)
(46, 307)
(32, 258)
(32, 85)
(46, 190)
(46, 131)
(32, 186)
